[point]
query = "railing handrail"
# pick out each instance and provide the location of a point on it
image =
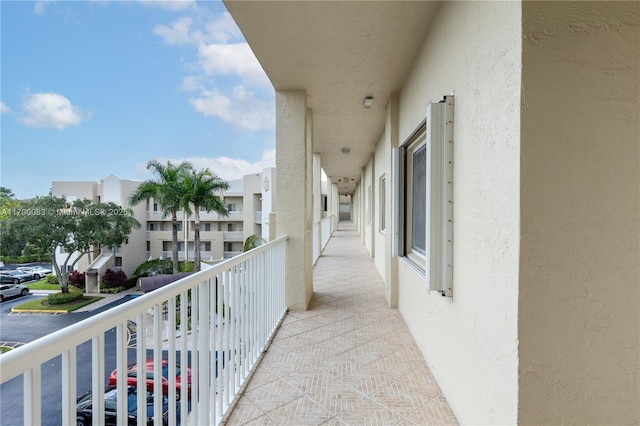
(19, 360)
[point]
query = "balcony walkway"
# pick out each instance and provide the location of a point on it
(348, 360)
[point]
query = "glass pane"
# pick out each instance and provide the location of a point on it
(418, 200)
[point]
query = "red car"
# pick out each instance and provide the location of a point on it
(132, 377)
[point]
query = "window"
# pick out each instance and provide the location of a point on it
(206, 246)
(369, 204)
(152, 226)
(424, 206)
(207, 227)
(415, 184)
(167, 245)
(383, 203)
(118, 261)
(155, 207)
(148, 245)
(231, 207)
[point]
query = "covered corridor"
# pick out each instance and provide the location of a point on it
(348, 360)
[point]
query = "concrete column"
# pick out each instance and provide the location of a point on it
(391, 266)
(294, 189)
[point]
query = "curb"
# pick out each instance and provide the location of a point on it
(40, 311)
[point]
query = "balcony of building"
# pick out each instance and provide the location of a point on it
(348, 359)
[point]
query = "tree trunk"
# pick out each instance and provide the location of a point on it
(59, 274)
(174, 238)
(196, 229)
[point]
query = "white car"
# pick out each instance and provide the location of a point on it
(12, 290)
(37, 271)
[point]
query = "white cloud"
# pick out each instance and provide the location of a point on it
(225, 167)
(38, 7)
(242, 108)
(170, 4)
(3, 108)
(233, 59)
(178, 33)
(51, 110)
(227, 80)
(183, 31)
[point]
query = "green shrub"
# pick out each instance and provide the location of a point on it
(130, 282)
(110, 290)
(112, 279)
(188, 266)
(61, 298)
(160, 266)
(76, 279)
(52, 279)
(23, 259)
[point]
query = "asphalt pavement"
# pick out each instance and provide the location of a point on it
(21, 328)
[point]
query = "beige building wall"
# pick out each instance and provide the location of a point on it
(367, 186)
(579, 328)
(471, 341)
(75, 189)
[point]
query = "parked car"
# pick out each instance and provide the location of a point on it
(84, 411)
(37, 271)
(12, 290)
(15, 277)
(132, 377)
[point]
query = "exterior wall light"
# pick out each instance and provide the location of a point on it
(368, 101)
(346, 150)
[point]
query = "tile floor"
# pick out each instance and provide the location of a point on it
(348, 360)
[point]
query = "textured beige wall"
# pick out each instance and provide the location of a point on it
(579, 282)
(294, 188)
(470, 341)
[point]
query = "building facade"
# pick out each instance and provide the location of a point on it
(249, 201)
(515, 259)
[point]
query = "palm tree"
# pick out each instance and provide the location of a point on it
(199, 190)
(167, 191)
(252, 242)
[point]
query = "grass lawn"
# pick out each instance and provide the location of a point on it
(42, 285)
(41, 304)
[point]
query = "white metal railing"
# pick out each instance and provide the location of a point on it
(322, 231)
(217, 320)
(316, 242)
(325, 231)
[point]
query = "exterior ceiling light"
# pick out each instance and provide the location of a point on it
(346, 150)
(368, 101)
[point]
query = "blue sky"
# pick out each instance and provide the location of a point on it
(94, 88)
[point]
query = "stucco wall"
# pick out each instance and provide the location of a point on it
(367, 188)
(470, 341)
(579, 282)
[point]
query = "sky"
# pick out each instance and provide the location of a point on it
(95, 88)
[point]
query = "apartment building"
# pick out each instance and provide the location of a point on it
(249, 200)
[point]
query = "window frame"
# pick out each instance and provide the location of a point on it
(383, 204)
(437, 262)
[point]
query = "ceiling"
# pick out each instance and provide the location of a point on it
(339, 53)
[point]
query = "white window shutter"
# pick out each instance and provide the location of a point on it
(439, 197)
(398, 162)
